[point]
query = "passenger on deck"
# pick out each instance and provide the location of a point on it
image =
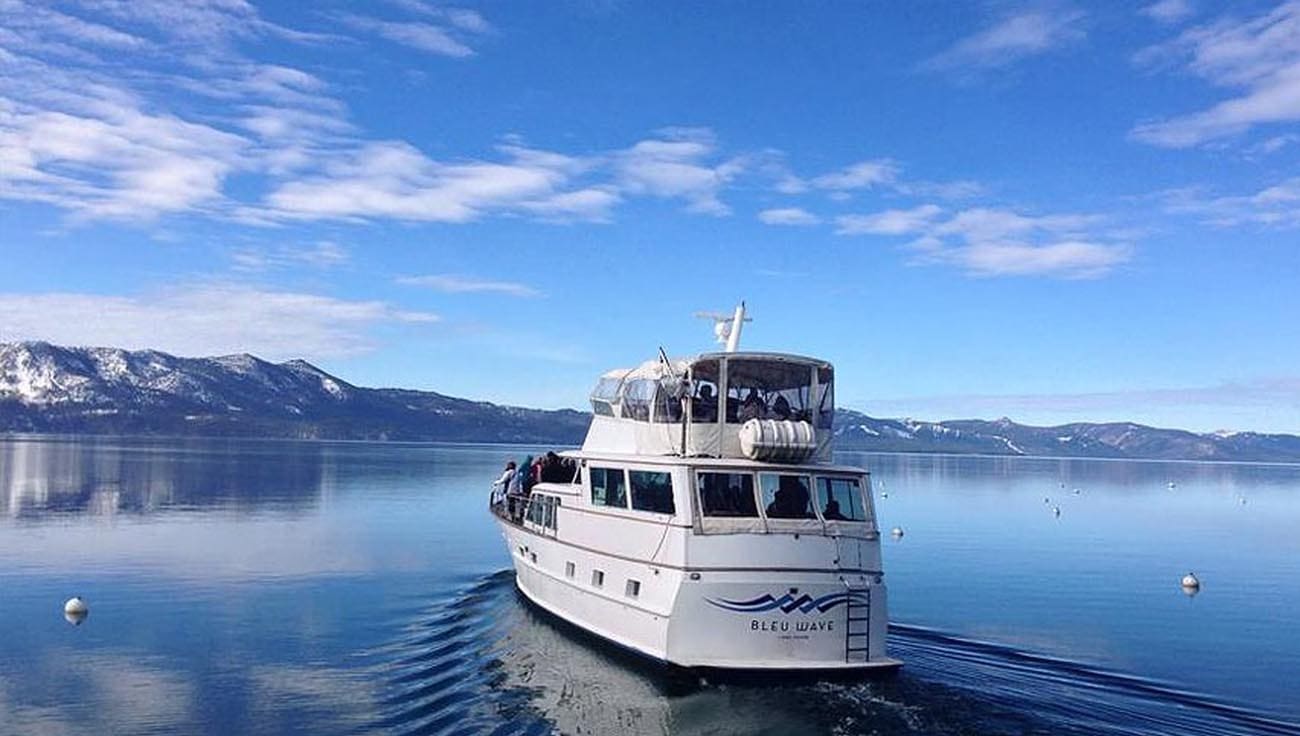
(501, 485)
(752, 407)
(832, 511)
(704, 407)
(781, 408)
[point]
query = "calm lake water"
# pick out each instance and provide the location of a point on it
(345, 588)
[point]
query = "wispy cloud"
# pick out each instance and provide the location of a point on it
(788, 216)
(678, 164)
(861, 175)
(421, 36)
(1169, 11)
(1277, 205)
(1258, 57)
(325, 254)
(988, 242)
(888, 222)
(457, 284)
(1012, 38)
(206, 319)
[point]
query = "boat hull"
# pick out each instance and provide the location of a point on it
(768, 620)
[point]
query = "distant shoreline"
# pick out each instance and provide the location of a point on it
(12, 436)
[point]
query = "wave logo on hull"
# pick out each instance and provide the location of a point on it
(788, 604)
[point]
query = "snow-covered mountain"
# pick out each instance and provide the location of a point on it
(47, 388)
(857, 431)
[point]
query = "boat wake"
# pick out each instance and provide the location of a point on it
(488, 662)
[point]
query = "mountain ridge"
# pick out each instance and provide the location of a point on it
(47, 388)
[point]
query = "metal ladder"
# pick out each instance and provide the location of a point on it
(857, 623)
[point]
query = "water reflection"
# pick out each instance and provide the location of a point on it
(42, 477)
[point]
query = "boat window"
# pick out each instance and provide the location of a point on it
(786, 496)
(605, 396)
(602, 408)
(768, 389)
(704, 396)
(668, 407)
(597, 578)
(608, 487)
(637, 395)
(652, 491)
(633, 589)
(569, 569)
(541, 510)
(840, 499)
(826, 400)
(727, 494)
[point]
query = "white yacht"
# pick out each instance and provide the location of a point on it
(703, 524)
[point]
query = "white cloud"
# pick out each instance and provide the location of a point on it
(454, 284)
(325, 254)
(986, 242)
(422, 36)
(206, 319)
(1277, 205)
(1068, 259)
(1258, 57)
(678, 165)
(1011, 38)
(788, 216)
(1169, 11)
(889, 222)
(392, 179)
(861, 175)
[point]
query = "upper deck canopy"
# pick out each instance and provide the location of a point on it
(696, 406)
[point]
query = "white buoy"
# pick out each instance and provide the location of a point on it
(1047, 499)
(897, 532)
(1190, 582)
(1077, 491)
(75, 610)
(1171, 485)
(884, 495)
(1056, 511)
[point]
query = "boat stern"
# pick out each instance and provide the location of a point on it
(808, 621)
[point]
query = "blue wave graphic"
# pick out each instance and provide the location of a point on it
(788, 604)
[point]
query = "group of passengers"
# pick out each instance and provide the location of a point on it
(704, 407)
(510, 492)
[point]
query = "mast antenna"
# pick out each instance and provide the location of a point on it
(727, 327)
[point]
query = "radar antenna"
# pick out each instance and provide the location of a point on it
(726, 327)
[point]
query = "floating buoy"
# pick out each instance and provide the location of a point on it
(897, 532)
(1171, 485)
(1077, 491)
(1062, 485)
(1046, 499)
(884, 495)
(1056, 510)
(1190, 582)
(75, 610)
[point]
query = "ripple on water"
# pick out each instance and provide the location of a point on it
(489, 663)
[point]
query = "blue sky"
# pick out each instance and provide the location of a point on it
(1053, 211)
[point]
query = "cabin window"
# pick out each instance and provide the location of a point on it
(768, 389)
(605, 395)
(569, 569)
(840, 499)
(608, 487)
(826, 399)
(597, 578)
(541, 510)
(633, 589)
(652, 491)
(704, 396)
(727, 494)
(786, 496)
(637, 396)
(668, 405)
